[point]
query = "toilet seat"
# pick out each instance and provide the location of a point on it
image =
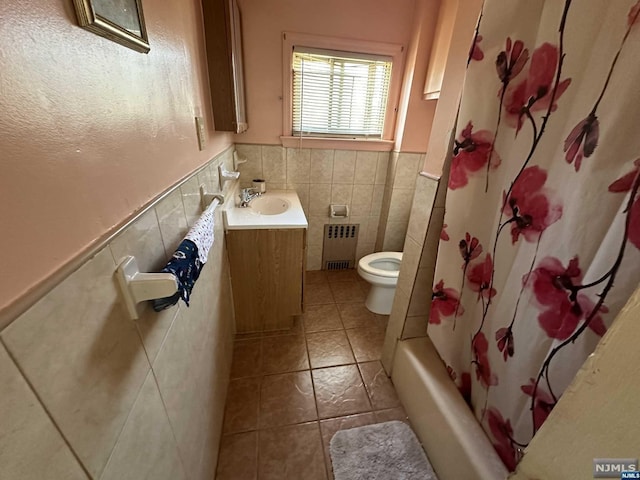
(365, 264)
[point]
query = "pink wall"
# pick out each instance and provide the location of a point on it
(91, 131)
(415, 114)
(264, 22)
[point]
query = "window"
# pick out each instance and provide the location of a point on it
(339, 94)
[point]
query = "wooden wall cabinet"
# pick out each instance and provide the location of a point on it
(267, 276)
(223, 40)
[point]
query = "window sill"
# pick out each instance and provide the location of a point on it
(337, 143)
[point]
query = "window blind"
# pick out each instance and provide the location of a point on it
(339, 93)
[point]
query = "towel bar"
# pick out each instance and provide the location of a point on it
(207, 198)
(137, 287)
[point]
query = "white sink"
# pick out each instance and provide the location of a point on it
(274, 209)
(269, 205)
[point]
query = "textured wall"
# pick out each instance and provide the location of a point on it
(91, 131)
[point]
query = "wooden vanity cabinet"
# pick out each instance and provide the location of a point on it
(267, 276)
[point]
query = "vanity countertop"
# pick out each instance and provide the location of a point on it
(238, 218)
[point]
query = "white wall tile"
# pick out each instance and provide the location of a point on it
(252, 168)
(172, 221)
(83, 357)
(144, 241)
(315, 232)
(361, 199)
(321, 170)
(344, 166)
(400, 205)
(248, 152)
(409, 266)
(421, 208)
(363, 249)
(376, 199)
(366, 164)
(395, 233)
(274, 164)
(146, 447)
(407, 169)
(177, 381)
(372, 229)
(394, 327)
(341, 194)
(30, 446)
(415, 326)
(314, 257)
(420, 302)
(191, 200)
(298, 165)
(303, 190)
(319, 199)
(382, 168)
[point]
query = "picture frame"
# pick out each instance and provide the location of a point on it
(121, 21)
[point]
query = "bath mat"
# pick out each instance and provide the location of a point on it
(383, 451)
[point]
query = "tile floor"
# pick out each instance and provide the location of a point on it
(291, 391)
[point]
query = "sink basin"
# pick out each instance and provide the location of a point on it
(273, 209)
(269, 205)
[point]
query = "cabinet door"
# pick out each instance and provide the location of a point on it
(223, 39)
(266, 275)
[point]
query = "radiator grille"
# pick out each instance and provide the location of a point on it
(339, 246)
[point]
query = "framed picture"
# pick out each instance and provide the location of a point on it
(119, 20)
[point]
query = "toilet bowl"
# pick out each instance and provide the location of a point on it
(381, 271)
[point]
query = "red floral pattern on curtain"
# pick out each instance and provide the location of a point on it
(543, 208)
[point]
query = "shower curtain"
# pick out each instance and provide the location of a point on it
(541, 244)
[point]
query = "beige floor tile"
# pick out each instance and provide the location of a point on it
(356, 315)
(247, 358)
(296, 329)
(238, 458)
(339, 391)
(366, 343)
(327, 349)
(347, 292)
(291, 452)
(286, 353)
(243, 400)
(342, 276)
(390, 414)
(328, 429)
(286, 399)
(379, 387)
(382, 320)
(319, 318)
(314, 277)
(318, 294)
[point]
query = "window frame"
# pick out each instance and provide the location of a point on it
(395, 51)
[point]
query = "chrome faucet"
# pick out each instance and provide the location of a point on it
(246, 195)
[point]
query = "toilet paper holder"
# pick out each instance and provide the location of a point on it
(339, 211)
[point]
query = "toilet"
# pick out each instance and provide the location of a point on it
(381, 270)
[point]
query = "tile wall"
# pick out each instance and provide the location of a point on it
(93, 394)
(411, 305)
(398, 198)
(377, 190)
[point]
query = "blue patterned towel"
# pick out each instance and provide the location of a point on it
(185, 264)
